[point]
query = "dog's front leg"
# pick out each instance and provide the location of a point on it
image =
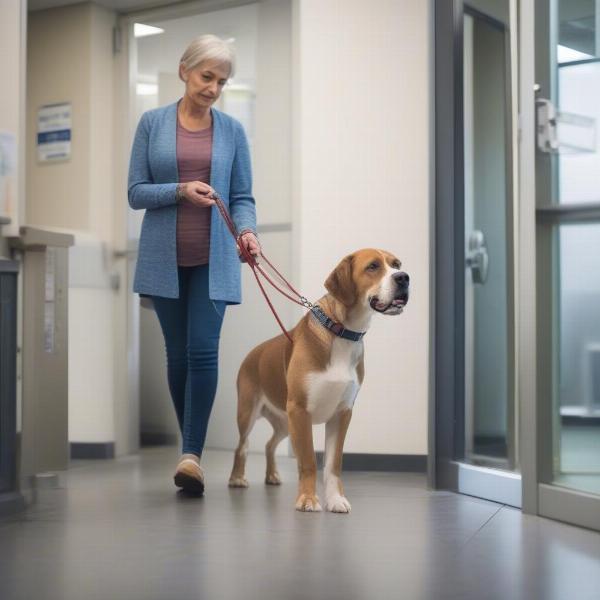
(335, 434)
(300, 427)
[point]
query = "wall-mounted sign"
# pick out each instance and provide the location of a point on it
(54, 132)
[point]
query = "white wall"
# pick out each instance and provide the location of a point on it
(362, 169)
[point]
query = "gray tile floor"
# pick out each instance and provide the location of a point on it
(118, 530)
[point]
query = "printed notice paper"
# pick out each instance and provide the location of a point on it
(54, 132)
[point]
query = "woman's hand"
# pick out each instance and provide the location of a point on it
(198, 193)
(250, 242)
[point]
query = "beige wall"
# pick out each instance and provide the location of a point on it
(100, 114)
(58, 70)
(361, 180)
(13, 23)
(13, 36)
(70, 59)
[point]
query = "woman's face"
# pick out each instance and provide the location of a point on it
(204, 83)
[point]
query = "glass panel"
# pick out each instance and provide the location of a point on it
(577, 103)
(487, 226)
(577, 441)
(579, 159)
(576, 29)
(576, 406)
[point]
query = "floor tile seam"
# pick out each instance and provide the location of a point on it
(480, 529)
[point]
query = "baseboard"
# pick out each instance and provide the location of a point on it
(92, 450)
(401, 463)
(158, 439)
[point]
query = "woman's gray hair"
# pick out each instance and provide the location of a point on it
(208, 47)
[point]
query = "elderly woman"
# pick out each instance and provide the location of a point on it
(183, 155)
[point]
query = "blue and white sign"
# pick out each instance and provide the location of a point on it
(54, 132)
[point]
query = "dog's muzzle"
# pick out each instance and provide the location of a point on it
(400, 298)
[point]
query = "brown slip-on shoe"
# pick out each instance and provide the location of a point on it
(189, 476)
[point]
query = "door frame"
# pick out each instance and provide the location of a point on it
(447, 425)
(446, 119)
(534, 419)
(525, 274)
(553, 501)
(126, 305)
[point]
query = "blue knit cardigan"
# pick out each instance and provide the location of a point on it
(153, 178)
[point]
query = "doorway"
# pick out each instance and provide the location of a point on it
(475, 397)
(567, 161)
(537, 446)
(259, 96)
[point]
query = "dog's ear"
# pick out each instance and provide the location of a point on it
(340, 283)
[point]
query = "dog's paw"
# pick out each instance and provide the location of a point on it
(273, 479)
(308, 503)
(338, 504)
(238, 482)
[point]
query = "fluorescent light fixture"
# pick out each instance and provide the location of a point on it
(141, 30)
(146, 89)
(566, 54)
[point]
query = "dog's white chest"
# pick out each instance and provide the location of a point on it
(335, 388)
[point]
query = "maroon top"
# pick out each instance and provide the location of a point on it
(194, 151)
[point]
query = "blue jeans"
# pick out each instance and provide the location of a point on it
(191, 325)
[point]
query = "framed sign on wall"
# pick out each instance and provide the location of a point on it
(54, 132)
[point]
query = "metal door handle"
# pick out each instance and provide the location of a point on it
(478, 260)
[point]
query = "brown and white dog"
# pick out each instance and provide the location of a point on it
(316, 379)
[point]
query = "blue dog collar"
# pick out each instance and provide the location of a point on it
(335, 327)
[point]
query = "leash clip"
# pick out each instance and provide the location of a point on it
(305, 302)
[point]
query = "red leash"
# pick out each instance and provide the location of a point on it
(256, 269)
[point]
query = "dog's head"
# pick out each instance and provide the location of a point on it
(370, 278)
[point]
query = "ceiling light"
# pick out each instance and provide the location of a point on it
(566, 54)
(146, 89)
(141, 30)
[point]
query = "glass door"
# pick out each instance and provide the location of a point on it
(475, 323)
(568, 258)
(489, 417)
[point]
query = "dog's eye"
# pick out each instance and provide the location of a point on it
(373, 266)
(396, 264)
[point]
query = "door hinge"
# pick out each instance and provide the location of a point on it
(547, 128)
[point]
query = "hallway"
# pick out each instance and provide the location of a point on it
(118, 529)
